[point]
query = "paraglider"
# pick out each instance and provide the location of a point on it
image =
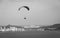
(24, 7)
(27, 10)
(24, 17)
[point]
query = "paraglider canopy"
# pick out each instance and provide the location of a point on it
(24, 7)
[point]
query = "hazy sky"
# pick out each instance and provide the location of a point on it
(42, 12)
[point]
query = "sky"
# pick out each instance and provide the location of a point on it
(42, 12)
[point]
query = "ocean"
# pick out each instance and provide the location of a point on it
(30, 34)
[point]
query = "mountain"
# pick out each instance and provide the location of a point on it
(53, 27)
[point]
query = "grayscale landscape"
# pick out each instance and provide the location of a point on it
(29, 18)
